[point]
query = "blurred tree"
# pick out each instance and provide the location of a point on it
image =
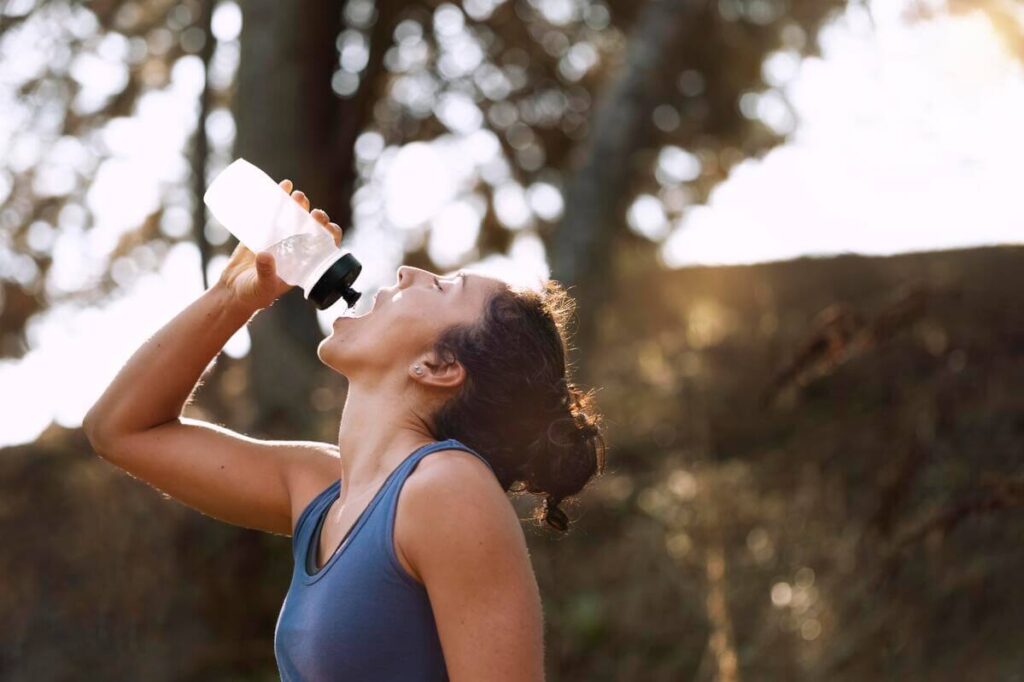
(679, 105)
(678, 114)
(285, 116)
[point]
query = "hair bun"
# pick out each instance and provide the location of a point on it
(538, 429)
(563, 432)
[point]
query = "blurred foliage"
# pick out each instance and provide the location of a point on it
(777, 507)
(535, 69)
(815, 469)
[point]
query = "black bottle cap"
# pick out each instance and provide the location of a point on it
(337, 283)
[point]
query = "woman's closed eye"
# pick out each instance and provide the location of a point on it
(437, 282)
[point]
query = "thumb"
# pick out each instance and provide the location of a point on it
(265, 266)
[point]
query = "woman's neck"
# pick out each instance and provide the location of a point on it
(381, 425)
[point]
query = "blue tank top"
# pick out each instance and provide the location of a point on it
(361, 616)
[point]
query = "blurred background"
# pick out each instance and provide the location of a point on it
(793, 230)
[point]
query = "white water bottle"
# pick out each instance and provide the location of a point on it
(264, 217)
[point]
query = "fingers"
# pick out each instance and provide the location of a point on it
(297, 195)
(336, 229)
(301, 197)
(321, 216)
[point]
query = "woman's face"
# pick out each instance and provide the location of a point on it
(405, 320)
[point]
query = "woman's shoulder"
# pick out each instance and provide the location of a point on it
(453, 505)
(450, 483)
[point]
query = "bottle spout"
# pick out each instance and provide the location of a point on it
(351, 296)
(336, 283)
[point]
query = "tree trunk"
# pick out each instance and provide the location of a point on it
(286, 113)
(584, 242)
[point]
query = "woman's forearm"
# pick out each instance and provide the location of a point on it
(156, 382)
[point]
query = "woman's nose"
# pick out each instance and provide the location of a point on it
(408, 275)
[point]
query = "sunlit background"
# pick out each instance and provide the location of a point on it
(902, 136)
(793, 231)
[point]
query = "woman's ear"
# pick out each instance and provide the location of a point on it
(429, 371)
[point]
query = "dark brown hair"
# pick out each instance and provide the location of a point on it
(517, 407)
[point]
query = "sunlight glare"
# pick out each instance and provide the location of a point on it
(454, 232)
(417, 184)
(908, 141)
(64, 336)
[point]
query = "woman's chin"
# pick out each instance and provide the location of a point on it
(322, 351)
(328, 355)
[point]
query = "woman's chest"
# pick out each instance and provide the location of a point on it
(360, 622)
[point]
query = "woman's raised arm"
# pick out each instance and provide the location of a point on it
(137, 423)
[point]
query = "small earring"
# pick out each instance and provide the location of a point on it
(418, 369)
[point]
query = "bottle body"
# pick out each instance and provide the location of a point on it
(302, 258)
(264, 217)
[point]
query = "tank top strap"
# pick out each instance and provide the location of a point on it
(406, 468)
(306, 522)
(455, 444)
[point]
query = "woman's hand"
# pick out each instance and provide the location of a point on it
(252, 278)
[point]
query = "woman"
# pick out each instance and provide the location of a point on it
(457, 394)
